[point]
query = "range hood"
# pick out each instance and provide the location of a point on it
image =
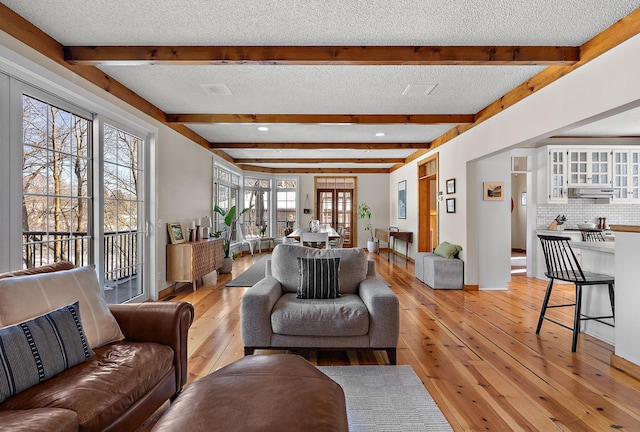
(600, 194)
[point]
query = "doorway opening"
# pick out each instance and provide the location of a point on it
(428, 204)
(335, 197)
(518, 216)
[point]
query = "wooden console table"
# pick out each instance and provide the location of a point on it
(189, 261)
(390, 238)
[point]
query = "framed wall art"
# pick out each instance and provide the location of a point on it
(451, 205)
(402, 199)
(175, 232)
(493, 191)
(451, 186)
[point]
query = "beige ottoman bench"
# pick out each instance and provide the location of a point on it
(278, 392)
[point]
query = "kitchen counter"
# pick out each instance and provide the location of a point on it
(606, 246)
(627, 258)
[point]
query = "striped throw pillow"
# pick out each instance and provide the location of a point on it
(35, 350)
(319, 278)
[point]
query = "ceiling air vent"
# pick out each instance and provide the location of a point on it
(418, 89)
(216, 89)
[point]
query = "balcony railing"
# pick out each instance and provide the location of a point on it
(120, 251)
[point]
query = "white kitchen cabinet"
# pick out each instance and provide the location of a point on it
(589, 167)
(557, 176)
(626, 175)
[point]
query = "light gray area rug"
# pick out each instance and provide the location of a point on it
(250, 276)
(256, 272)
(387, 398)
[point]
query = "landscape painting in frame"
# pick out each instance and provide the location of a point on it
(493, 191)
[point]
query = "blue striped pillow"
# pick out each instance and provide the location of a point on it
(35, 350)
(319, 278)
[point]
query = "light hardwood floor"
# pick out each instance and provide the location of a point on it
(476, 352)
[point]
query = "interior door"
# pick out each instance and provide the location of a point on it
(428, 205)
(335, 208)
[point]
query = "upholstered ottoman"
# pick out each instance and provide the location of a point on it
(439, 272)
(278, 392)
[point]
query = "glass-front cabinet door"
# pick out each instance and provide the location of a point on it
(557, 176)
(589, 168)
(626, 176)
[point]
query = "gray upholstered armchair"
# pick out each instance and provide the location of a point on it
(365, 316)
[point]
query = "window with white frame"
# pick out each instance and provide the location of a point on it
(56, 197)
(257, 198)
(58, 207)
(226, 192)
(286, 206)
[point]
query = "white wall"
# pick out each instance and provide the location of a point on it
(184, 178)
(605, 86)
(493, 217)
(410, 174)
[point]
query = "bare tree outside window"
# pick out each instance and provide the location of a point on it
(55, 185)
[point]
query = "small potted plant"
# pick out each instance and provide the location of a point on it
(228, 219)
(364, 212)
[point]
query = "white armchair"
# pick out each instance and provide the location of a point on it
(252, 240)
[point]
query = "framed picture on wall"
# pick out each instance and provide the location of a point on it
(175, 232)
(493, 191)
(451, 186)
(451, 205)
(402, 199)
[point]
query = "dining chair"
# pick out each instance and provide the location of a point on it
(591, 235)
(339, 242)
(562, 264)
(318, 240)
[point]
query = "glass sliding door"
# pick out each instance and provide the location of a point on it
(123, 214)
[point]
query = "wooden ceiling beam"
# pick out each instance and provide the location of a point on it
(323, 55)
(316, 170)
(432, 119)
(316, 146)
(323, 160)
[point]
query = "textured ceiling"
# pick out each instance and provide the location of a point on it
(268, 89)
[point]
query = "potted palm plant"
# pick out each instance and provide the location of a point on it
(229, 219)
(364, 213)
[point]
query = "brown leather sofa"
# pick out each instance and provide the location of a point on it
(119, 387)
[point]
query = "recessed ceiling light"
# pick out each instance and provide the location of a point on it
(263, 128)
(418, 89)
(380, 134)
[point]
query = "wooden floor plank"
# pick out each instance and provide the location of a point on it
(475, 351)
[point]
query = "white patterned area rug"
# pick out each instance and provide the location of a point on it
(386, 398)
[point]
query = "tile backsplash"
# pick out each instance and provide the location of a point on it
(580, 210)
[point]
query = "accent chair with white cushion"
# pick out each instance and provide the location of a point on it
(346, 306)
